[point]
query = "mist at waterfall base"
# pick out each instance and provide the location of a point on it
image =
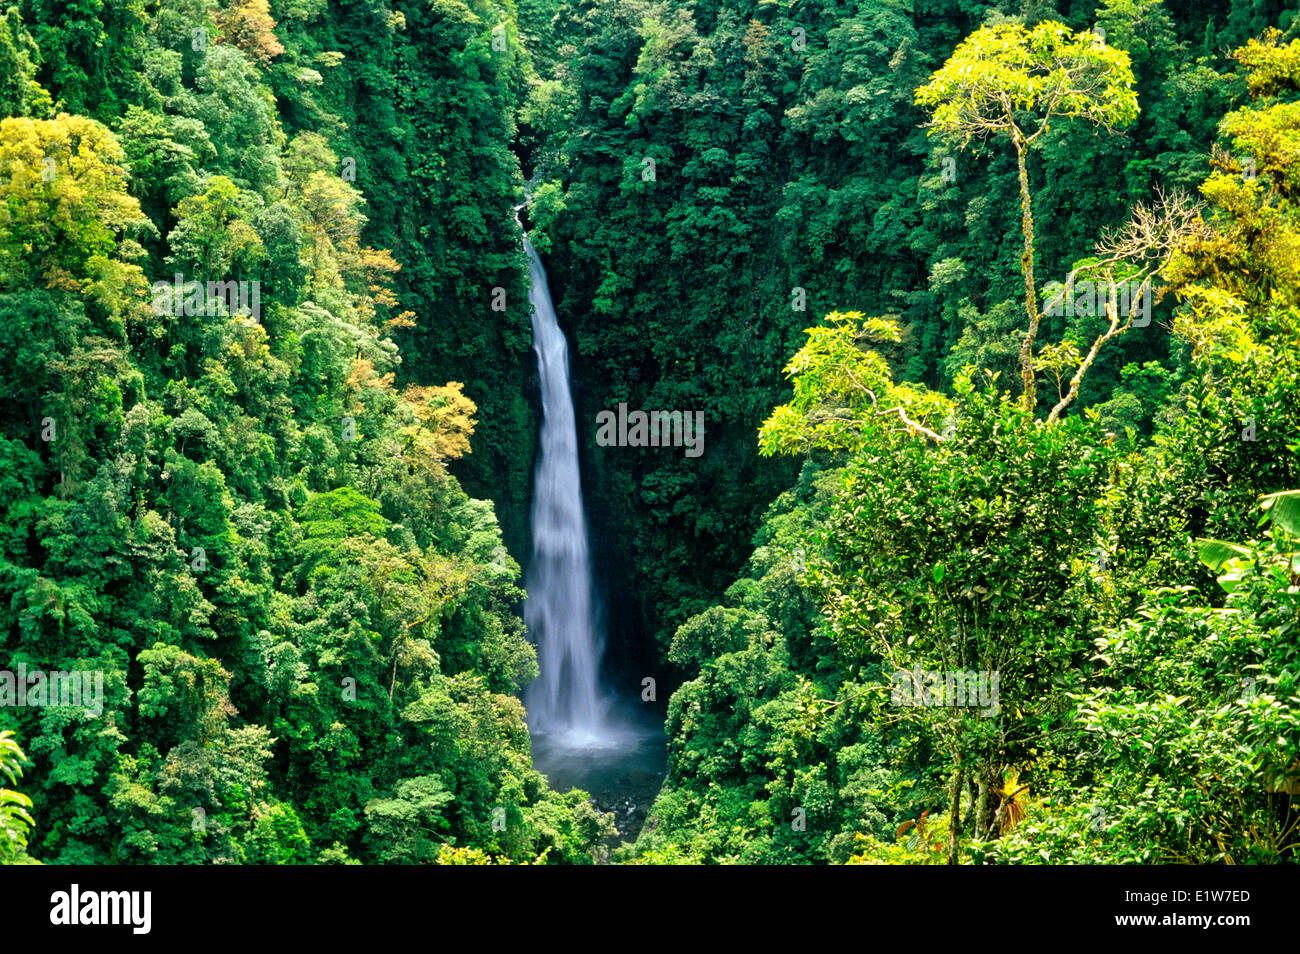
(584, 736)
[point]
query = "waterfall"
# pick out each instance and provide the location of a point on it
(566, 700)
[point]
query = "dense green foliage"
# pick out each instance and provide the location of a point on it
(792, 177)
(276, 508)
(15, 820)
(1141, 717)
(230, 505)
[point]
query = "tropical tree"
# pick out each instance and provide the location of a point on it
(965, 559)
(1014, 81)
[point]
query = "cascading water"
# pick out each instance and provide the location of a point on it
(582, 735)
(566, 700)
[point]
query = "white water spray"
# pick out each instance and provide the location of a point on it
(566, 701)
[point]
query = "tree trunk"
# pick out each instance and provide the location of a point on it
(954, 814)
(1027, 269)
(988, 804)
(968, 819)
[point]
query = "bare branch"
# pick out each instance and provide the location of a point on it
(912, 425)
(1137, 250)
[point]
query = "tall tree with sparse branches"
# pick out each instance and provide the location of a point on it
(1011, 80)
